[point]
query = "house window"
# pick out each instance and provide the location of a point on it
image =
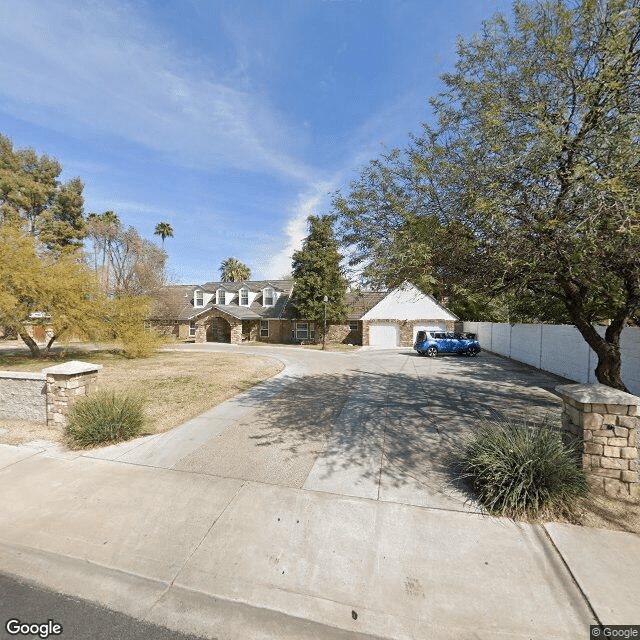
(268, 297)
(220, 296)
(192, 328)
(199, 299)
(244, 297)
(353, 325)
(305, 331)
(264, 328)
(302, 331)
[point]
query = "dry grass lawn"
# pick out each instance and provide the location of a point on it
(176, 385)
(603, 512)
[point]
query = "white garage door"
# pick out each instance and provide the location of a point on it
(384, 335)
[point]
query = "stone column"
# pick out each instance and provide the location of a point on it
(606, 421)
(201, 331)
(236, 331)
(65, 384)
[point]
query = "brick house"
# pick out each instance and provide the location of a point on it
(261, 310)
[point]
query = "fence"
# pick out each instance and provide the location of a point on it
(559, 349)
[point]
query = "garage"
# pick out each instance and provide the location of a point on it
(394, 321)
(384, 335)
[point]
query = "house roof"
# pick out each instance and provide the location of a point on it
(407, 302)
(175, 302)
(282, 286)
(236, 311)
(359, 302)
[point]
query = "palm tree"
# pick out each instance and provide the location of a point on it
(164, 230)
(232, 270)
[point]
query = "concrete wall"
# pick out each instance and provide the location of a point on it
(559, 349)
(23, 396)
(46, 397)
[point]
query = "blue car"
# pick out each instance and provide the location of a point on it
(431, 343)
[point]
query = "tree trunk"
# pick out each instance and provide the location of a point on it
(607, 349)
(51, 341)
(29, 341)
(608, 369)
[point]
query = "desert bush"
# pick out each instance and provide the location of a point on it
(105, 417)
(125, 319)
(520, 466)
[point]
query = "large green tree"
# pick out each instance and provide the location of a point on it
(232, 270)
(394, 228)
(57, 290)
(32, 197)
(543, 119)
(535, 154)
(317, 273)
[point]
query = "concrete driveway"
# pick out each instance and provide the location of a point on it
(320, 504)
(378, 424)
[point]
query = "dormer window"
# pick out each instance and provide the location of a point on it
(198, 300)
(267, 297)
(220, 296)
(244, 297)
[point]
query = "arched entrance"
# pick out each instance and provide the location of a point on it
(218, 330)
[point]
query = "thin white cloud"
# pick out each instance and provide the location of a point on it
(316, 200)
(313, 201)
(77, 67)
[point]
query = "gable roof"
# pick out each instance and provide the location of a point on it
(407, 302)
(236, 311)
(175, 302)
(359, 302)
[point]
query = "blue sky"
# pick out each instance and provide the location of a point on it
(231, 119)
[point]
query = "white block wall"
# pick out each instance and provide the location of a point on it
(559, 349)
(525, 343)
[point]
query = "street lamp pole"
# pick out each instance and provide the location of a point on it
(324, 333)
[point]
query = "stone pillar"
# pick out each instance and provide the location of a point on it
(606, 421)
(236, 331)
(201, 331)
(65, 384)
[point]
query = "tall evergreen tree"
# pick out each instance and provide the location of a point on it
(317, 273)
(33, 198)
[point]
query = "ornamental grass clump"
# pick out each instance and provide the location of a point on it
(105, 416)
(521, 467)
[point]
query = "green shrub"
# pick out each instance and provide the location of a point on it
(105, 417)
(520, 466)
(141, 345)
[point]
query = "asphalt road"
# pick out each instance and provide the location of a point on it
(80, 619)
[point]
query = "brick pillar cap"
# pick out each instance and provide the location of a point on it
(597, 394)
(72, 368)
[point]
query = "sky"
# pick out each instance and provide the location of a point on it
(233, 120)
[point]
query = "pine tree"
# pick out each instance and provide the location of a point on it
(317, 273)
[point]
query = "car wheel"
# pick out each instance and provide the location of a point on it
(472, 352)
(432, 352)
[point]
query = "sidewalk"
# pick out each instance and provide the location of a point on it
(136, 529)
(183, 550)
